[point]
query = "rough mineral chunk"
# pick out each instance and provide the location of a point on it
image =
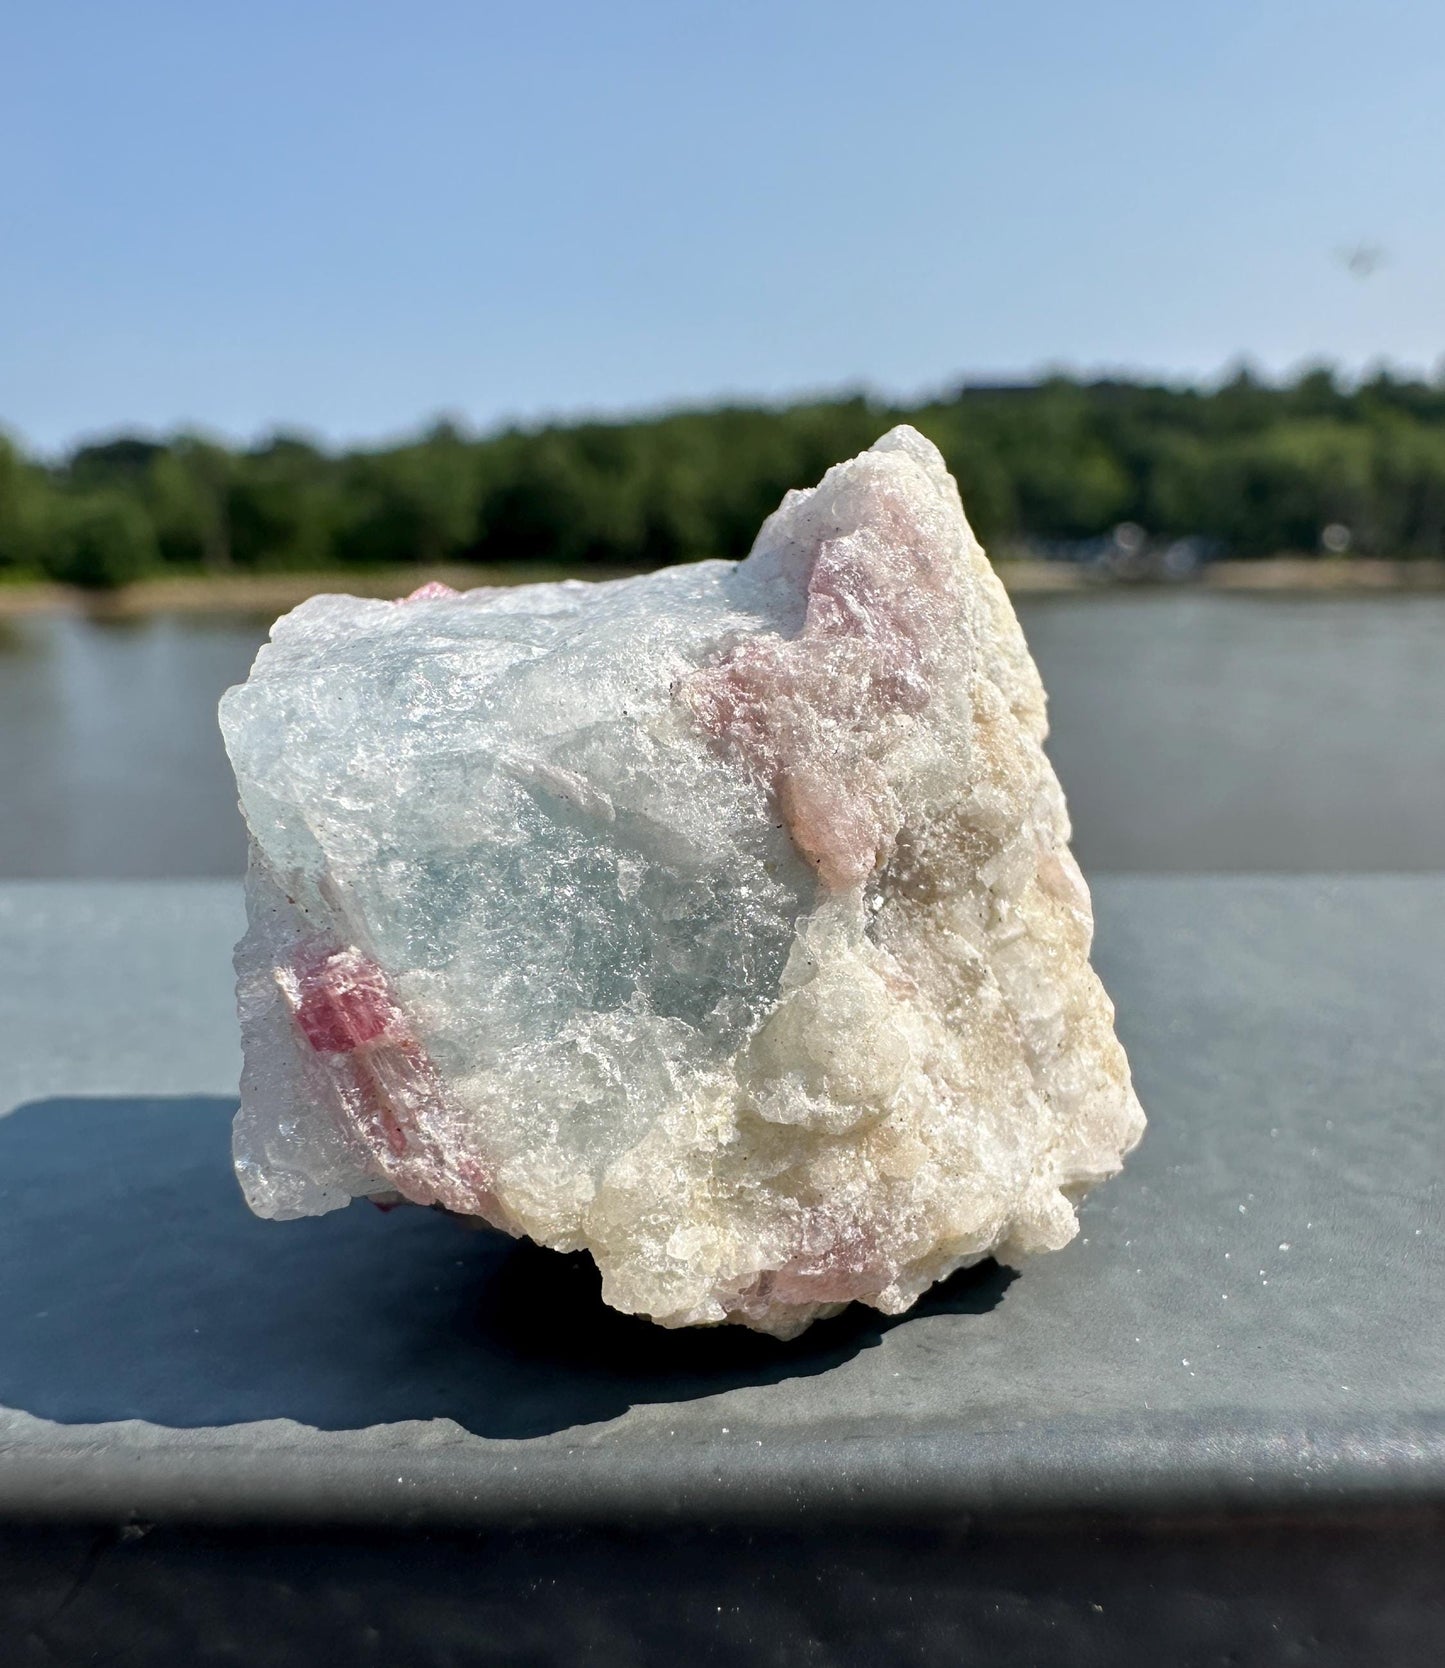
(720, 922)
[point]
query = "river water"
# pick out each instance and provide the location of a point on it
(1192, 732)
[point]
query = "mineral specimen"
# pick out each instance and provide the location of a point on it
(719, 921)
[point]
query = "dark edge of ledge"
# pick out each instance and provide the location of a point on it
(1141, 1467)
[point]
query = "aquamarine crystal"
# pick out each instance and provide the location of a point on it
(720, 922)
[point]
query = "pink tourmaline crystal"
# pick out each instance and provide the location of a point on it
(386, 1092)
(433, 591)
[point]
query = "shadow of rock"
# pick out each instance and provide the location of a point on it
(136, 1284)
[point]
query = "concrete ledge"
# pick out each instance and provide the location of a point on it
(1253, 1317)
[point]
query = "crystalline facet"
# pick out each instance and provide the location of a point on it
(719, 921)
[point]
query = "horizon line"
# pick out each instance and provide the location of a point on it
(1347, 378)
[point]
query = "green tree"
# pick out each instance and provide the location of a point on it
(189, 485)
(24, 492)
(286, 506)
(417, 503)
(98, 540)
(1256, 467)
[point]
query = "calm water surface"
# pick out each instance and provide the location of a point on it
(1191, 732)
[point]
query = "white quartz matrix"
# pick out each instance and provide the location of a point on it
(720, 922)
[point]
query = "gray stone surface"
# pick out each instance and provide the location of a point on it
(1253, 1316)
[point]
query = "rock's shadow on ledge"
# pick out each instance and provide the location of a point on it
(136, 1285)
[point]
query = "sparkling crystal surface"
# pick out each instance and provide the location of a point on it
(720, 922)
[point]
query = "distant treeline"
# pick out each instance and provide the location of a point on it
(1250, 467)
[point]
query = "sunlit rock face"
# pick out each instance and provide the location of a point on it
(720, 922)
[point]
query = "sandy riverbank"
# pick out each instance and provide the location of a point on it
(275, 593)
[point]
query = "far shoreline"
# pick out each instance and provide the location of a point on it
(276, 593)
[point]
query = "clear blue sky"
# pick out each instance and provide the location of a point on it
(348, 216)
